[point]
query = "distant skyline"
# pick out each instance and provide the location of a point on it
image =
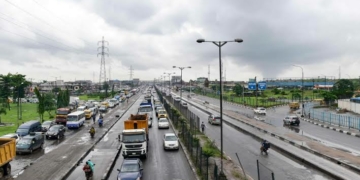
(44, 39)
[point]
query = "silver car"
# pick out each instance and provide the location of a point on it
(163, 123)
(171, 141)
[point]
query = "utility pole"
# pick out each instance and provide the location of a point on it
(131, 74)
(102, 75)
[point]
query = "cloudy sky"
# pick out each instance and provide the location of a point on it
(53, 39)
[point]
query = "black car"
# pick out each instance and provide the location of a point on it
(46, 125)
(56, 131)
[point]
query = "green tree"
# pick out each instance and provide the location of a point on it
(276, 91)
(343, 89)
(49, 103)
(238, 89)
(41, 106)
(3, 106)
(329, 97)
(206, 83)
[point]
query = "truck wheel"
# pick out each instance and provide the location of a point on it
(58, 137)
(2, 173)
(7, 169)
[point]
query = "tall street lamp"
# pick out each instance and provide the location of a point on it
(181, 68)
(302, 89)
(220, 44)
(169, 74)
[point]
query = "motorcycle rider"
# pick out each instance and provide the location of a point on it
(92, 131)
(88, 169)
(265, 146)
(202, 127)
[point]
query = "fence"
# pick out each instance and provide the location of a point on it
(335, 119)
(347, 104)
(189, 128)
(264, 173)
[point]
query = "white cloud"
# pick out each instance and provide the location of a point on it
(154, 35)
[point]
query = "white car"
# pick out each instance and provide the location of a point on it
(260, 110)
(111, 105)
(184, 104)
(171, 141)
(163, 123)
(177, 98)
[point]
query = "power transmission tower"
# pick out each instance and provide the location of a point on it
(131, 73)
(209, 72)
(102, 75)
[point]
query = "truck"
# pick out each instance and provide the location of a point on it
(294, 105)
(135, 136)
(61, 115)
(146, 108)
(7, 154)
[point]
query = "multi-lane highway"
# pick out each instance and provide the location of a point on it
(160, 164)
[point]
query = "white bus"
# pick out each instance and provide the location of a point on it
(75, 120)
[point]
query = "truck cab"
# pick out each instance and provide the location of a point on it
(134, 143)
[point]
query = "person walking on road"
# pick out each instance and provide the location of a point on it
(94, 117)
(202, 127)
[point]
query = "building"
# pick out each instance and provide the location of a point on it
(175, 79)
(136, 81)
(201, 80)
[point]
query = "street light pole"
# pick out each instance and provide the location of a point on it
(220, 44)
(302, 89)
(169, 74)
(181, 69)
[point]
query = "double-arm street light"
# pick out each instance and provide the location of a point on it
(220, 44)
(302, 89)
(169, 74)
(181, 68)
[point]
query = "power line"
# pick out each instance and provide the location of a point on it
(50, 12)
(39, 19)
(28, 29)
(33, 40)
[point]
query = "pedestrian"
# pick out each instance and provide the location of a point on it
(94, 117)
(309, 115)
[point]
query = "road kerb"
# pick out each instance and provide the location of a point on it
(111, 165)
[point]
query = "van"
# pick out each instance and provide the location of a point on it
(105, 103)
(28, 127)
(81, 108)
(30, 142)
(88, 114)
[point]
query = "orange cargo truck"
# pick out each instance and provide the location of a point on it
(7, 154)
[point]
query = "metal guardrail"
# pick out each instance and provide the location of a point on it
(335, 119)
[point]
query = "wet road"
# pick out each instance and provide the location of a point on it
(275, 117)
(22, 161)
(160, 164)
(248, 150)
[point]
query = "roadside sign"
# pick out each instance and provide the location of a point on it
(252, 86)
(262, 85)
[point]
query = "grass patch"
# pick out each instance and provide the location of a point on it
(8, 129)
(86, 97)
(29, 112)
(210, 149)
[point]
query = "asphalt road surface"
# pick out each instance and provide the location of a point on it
(275, 117)
(160, 164)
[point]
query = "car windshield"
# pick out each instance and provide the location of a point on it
(130, 168)
(88, 112)
(163, 120)
(145, 109)
(22, 130)
(61, 112)
(72, 118)
(170, 138)
(134, 138)
(102, 107)
(54, 128)
(162, 112)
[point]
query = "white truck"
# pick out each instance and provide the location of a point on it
(260, 110)
(134, 143)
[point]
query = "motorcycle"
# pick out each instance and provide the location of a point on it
(263, 149)
(100, 121)
(92, 134)
(89, 174)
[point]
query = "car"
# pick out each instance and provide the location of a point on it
(291, 120)
(103, 108)
(111, 105)
(171, 141)
(161, 113)
(157, 105)
(163, 123)
(260, 110)
(158, 109)
(56, 131)
(214, 119)
(12, 135)
(184, 104)
(29, 143)
(131, 169)
(177, 98)
(46, 125)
